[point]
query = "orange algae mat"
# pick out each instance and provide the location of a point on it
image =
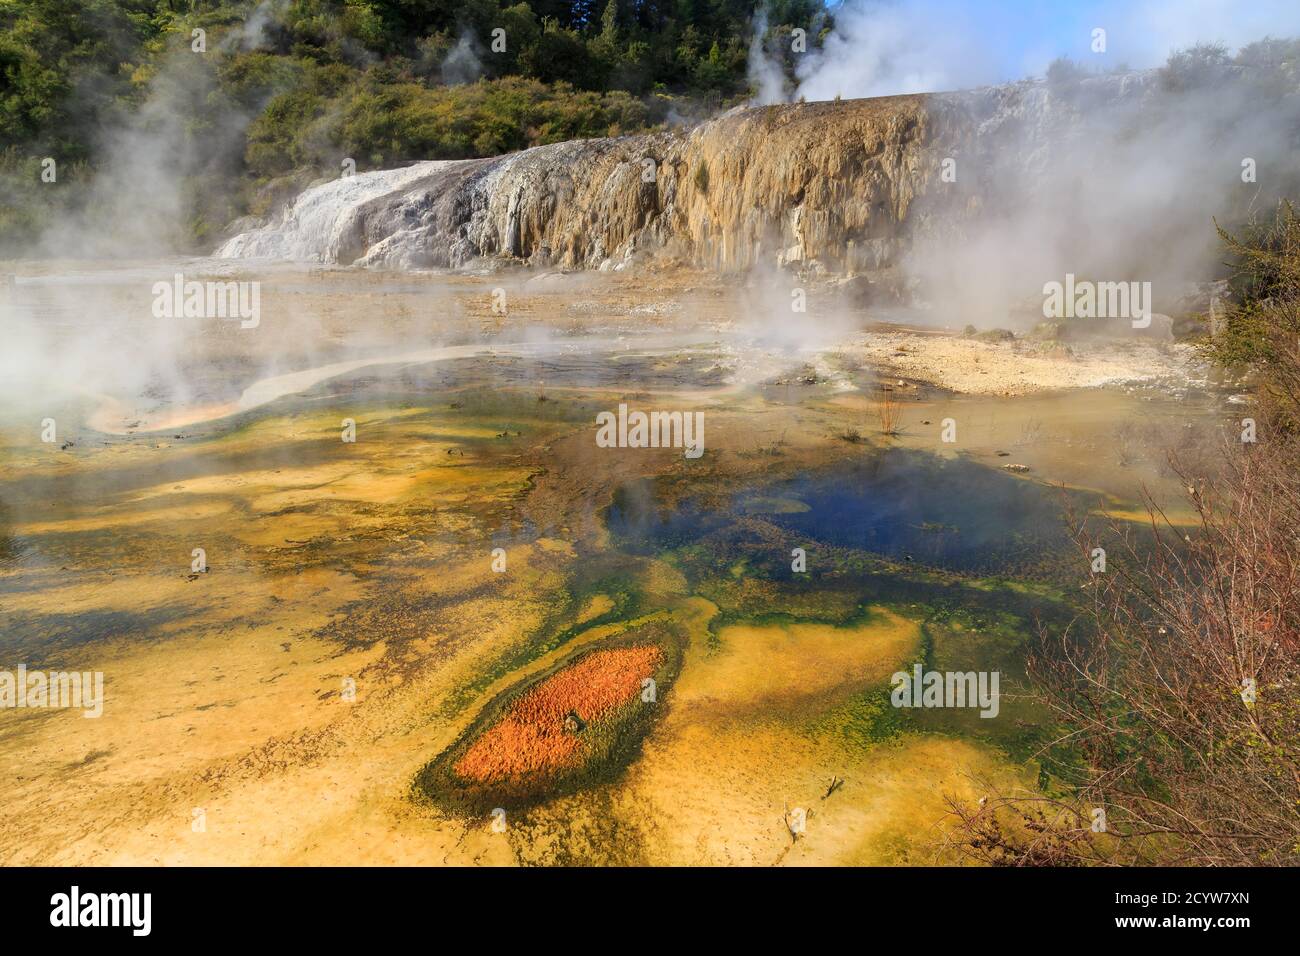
(531, 737)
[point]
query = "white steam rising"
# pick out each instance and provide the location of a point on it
(462, 64)
(879, 49)
(764, 74)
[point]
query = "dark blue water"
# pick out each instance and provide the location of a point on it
(904, 505)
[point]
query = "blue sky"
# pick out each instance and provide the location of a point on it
(1139, 32)
(1028, 34)
(903, 46)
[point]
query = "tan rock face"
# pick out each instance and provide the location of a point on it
(832, 182)
(840, 186)
(835, 182)
(581, 203)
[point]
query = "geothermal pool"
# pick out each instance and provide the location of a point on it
(382, 632)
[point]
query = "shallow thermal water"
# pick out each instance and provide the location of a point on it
(901, 504)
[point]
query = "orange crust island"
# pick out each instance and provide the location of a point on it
(532, 738)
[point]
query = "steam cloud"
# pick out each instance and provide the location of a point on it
(1109, 176)
(462, 64)
(137, 200)
(764, 74)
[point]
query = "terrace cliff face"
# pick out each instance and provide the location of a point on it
(843, 186)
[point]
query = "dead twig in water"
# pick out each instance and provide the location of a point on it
(887, 411)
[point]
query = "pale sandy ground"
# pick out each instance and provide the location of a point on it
(974, 367)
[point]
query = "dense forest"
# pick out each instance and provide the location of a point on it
(273, 94)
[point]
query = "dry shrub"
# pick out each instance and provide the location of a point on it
(887, 411)
(1178, 696)
(1153, 693)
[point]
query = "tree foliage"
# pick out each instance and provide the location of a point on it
(292, 86)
